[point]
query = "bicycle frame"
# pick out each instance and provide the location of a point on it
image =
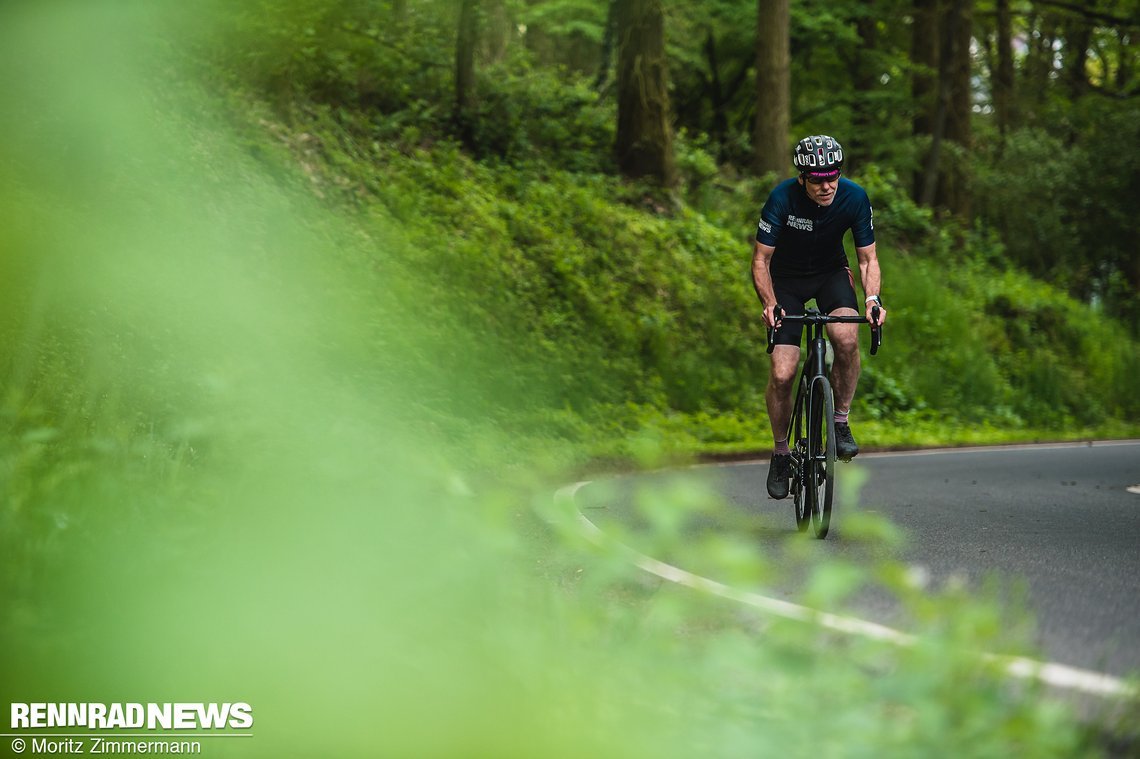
(815, 364)
(811, 433)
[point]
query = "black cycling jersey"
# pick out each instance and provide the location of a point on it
(808, 238)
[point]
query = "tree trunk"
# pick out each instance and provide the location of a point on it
(1003, 74)
(465, 71)
(866, 82)
(644, 144)
(770, 145)
(924, 49)
(945, 183)
(717, 96)
(1039, 60)
(932, 179)
(607, 47)
(956, 187)
(497, 29)
(1123, 67)
(1078, 36)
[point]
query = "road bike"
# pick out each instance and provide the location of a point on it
(812, 437)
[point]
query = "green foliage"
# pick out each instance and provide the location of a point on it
(908, 224)
(526, 113)
(587, 272)
(1103, 217)
(568, 18)
(344, 52)
(1010, 351)
(1058, 207)
(1018, 193)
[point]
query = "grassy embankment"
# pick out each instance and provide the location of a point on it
(641, 313)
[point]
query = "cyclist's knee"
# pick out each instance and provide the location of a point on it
(785, 364)
(845, 345)
(844, 337)
(782, 381)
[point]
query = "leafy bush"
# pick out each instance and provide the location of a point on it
(525, 113)
(1055, 197)
(1017, 194)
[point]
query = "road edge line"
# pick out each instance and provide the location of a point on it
(1050, 673)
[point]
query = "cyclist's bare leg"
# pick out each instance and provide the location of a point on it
(846, 367)
(781, 380)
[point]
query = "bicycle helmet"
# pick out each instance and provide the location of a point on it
(819, 156)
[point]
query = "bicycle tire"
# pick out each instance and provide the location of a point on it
(819, 467)
(800, 503)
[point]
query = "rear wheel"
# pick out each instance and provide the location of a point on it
(799, 444)
(819, 468)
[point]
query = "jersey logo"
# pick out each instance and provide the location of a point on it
(804, 225)
(765, 227)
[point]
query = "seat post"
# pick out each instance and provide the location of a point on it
(818, 350)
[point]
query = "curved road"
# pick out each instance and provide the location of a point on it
(1060, 518)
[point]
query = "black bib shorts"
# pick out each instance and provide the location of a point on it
(831, 291)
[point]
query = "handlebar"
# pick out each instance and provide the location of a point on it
(814, 317)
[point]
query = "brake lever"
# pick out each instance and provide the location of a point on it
(772, 330)
(876, 331)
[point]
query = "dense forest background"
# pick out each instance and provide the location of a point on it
(1015, 117)
(998, 140)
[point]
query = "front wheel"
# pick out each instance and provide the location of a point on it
(798, 438)
(819, 468)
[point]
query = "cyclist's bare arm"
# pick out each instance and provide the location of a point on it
(870, 277)
(762, 279)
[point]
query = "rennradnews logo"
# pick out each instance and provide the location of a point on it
(151, 716)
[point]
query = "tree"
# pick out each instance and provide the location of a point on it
(1003, 77)
(711, 64)
(773, 88)
(466, 40)
(866, 81)
(946, 182)
(644, 142)
(1077, 33)
(954, 192)
(607, 51)
(1038, 67)
(924, 82)
(716, 93)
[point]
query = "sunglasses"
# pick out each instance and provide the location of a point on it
(816, 179)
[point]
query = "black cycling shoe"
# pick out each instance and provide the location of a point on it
(779, 472)
(845, 446)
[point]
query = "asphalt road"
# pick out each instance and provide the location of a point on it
(1058, 522)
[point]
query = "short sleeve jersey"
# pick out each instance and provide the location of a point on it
(808, 238)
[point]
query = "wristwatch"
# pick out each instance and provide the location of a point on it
(878, 301)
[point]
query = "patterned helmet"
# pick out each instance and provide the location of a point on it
(818, 155)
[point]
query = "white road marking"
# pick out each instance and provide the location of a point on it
(1134, 489)
(1051, 673)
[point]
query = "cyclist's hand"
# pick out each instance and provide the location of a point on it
(770, 316)
(881, 311)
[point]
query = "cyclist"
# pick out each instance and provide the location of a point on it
(798, 256)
